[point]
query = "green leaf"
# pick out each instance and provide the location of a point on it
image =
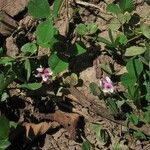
(133, 118)
(145, 30)
(91, 28)
(121, 18)
(39, 8)
(147, 115)
(113, 8)
(2, 83)
(6, 60)
(134, 67)
(1, 51)
(86, 145)
(56, 64)
(126, 5)
(4, 128)
(45, 33)
(103, 40)
(12, 124)
(30, 86)
(57, 6)
(27, 67)
(9, 77)
(134, 51)
(4, 144)
(139, 135)
(71, 80)
(107, 68)
(29, 48)
(127, 16)
(147, 89)
(147, 53)
(81, 29)
(112, 105)
(114, 24)
(117, 147)
(80, 47)
(94, 89)
(121, 39)
(128, 80)
(4, 97)
(102, 135)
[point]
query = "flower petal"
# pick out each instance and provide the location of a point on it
(40, 69)
(108, 79)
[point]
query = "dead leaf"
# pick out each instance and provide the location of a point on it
(33, 129)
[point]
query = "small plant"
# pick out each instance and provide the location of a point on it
(130, 43)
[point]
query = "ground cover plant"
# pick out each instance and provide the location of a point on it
(66, 77)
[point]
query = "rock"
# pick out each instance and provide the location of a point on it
(12, 49)
(7, 24)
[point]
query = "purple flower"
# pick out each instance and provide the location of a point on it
(45, 74)
(107, 85)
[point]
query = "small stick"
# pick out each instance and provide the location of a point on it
(90, 5)
(104, 112)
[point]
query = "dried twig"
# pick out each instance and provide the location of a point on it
(103, 112)
(86, 4)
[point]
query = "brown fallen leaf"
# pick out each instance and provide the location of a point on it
(33, 129)
(68, 120)
(27, 132)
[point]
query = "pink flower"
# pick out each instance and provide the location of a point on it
(107, 85)
(45, 74)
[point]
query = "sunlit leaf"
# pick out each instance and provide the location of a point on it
(45, 33)
(80, 47)
(39, 8)
(145, 30)
(133, 118)
(81, 29)
(27, 66)
(134, 50)
(114, 24)
(6, 60)
(102, 135)
(91, 28)
(4, 144)
(126, 5)
(29, 48)
(4, 97)
(56, 64)
(57, 6)
(134, 67)
(30, 86)
(113, 8)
